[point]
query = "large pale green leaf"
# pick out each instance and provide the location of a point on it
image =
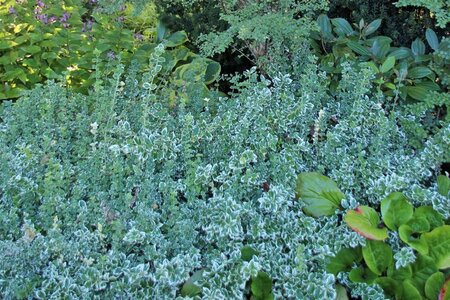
(433, 285)
(410, 237)
(438, 242)
(377, 255)
(422, 268)
(344, 260)
(433, 218)
(261, 286)
(400, 273)
(320, 194)
(364, 220)
(396, 210)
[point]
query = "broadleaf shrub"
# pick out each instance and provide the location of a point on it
(117, 194)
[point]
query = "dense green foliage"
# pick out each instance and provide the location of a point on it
(152, 183)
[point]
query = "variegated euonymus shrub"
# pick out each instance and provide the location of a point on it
(119, 195)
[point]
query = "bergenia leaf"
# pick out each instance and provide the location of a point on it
(433, 285)
(364, 221)
(377, 255)
(438, 242)
(320, 194)
(396, 210)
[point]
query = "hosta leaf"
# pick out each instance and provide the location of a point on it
(212, 71)
(418, 47)
(364, 220)
(419, 72)
(443, 184)
(343, 260)
(438, 242)
(433, 285)
(377, 255)
(409, 236)
(432, 39)
(396, 210)
(176, 39)
(320, 194)
(372, 27)
(342, 26)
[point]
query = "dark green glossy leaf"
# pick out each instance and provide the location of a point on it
(320, 194)
(190, 289)
(364, 221)
(361, 274)
(372, 27)
(212, 71)
(432, 39)
(324, 24)
(342, 26)
(401, 53)
(390, 287)
(247, 253)
(176, 39)
(417, 92)
(419, 72)
(343, 260)
(358, 48)
(418, 47)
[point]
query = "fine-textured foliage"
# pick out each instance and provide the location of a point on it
(118, 194)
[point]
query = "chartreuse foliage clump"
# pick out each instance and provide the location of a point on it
(406, 251)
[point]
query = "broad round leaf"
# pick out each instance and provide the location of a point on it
(361, 274)
(433, 218)
(176, 39)
(443, 183)
(320, 194)
(261, 285)
(390, 287)
(396, 210)
(341, 293)
(433, 285)
(364, 220)
(212, 71)
(422, 268)
(410, 292)
(444, 293)
(438, 242)
(406, 234)
(343, 261)
(377, 255)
